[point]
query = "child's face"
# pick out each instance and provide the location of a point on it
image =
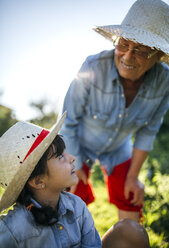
(61, 173)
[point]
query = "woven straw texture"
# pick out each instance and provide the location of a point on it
(14, 146)
(147, 22)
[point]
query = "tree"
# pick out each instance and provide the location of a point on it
(44, 118)
(7, 119)
(157, 180)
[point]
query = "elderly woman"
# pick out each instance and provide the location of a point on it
(118, 94)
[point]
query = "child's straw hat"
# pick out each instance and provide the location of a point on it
(21, 147)
(147, 22)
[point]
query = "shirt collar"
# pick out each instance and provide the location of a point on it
(65, 204)
(66, 207)
(36, 204)
(151, 77)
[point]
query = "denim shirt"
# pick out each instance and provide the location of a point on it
(75, 227)
(98, 125)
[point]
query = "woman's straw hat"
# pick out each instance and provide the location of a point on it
(147, 22)
(21, 147)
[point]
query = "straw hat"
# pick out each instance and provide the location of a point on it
(147, 22)
(21, 147)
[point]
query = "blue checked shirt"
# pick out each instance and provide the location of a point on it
(99, 126)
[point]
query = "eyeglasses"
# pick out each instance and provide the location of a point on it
(137, 52)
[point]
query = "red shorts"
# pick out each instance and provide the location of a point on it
(84, 191)
(115, 185)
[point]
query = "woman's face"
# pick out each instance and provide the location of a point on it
(129, 65)
(61, 173)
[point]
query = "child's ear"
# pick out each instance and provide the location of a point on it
(36, 183)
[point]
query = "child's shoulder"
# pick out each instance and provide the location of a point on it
(73, 202)
(19, 223)
(73, 198)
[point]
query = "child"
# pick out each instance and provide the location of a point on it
(35, 170)
(126, 234)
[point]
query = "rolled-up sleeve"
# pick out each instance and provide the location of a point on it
(145, 136)
(74, 103)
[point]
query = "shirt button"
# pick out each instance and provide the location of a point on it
(120, 115)
(122, 95)
(94, 116)
(116, 129)
(110, 139)
(61, 227)
(146, 123)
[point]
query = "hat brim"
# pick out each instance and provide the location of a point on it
(16, 185)
(111, 32)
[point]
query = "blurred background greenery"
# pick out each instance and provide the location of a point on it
(154, 175)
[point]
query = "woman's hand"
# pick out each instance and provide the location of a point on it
(133, 185)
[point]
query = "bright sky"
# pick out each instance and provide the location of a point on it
(43, 44)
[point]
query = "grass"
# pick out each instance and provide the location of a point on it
(105, 214)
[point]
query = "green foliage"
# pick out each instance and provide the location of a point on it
(7, 119)
(97, 176)
(160, 152)
(155, 209)
(156, 181)
(44, 118)
(104, 214)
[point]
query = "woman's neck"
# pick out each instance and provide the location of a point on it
(131, 89)
(131, 83)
